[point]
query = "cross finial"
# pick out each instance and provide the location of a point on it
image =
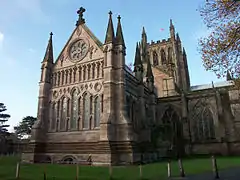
(80, 12)
(51, 33)
(119, 17)
(110, 13)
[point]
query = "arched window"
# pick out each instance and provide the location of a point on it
(170, 55)
(163, 57)
(64, 114)
(53, 116)
(86, 110)
(204, 125)
(97, 112)
(74, 110)
(155, 58)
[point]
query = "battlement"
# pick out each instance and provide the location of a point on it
(159, 42)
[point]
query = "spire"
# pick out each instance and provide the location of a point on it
(119, 34)
(178, 38)
(143, 30)
(137, 56)
(229, 77)
(149, 73)
(110, 30)
(80, 20)
(184, 52)
(171, 24)
(49, 51)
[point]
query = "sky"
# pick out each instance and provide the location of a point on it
(25, 26)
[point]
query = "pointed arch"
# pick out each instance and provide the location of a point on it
(97, 111)
(163, 57)
(170, 54)
(63, 113)
(155, 58)
(204, 125)
(86, 110)
(74, 110)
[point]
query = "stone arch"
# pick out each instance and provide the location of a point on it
(69, 159)
(173, 131)
(163, 57)
(75, 88)
(155, 58)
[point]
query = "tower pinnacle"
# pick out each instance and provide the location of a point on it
(49, 50)
(110, 30)
(119, 34)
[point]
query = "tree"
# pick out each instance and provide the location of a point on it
(25, 126)
(220, 50)
(3, 118)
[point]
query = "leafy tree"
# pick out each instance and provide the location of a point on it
(25, 126)
(220, 50)
(3, 118)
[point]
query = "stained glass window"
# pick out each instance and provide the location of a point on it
(74, 110)
(97, 112)
(86, 110)
(64, 113)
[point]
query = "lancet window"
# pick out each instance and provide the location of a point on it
(74, 117)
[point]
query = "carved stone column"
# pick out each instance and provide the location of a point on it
(70, 76)
(93, 70)
(74, 74)
(79, 73)
(66, 77)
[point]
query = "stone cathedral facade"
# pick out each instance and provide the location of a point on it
(92, 105)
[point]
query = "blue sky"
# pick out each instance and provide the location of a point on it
(25, 27)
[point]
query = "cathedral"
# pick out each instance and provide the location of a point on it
(91, 105)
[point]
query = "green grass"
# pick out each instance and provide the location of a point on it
(68, 172)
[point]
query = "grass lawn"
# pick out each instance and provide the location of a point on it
(67, 172)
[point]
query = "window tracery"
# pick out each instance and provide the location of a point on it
(203, 124)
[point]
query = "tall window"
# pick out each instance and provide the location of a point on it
(86, 110)
(97, 111)
(64, 113)
(53, 115)
(163, 57)
(74, 110)
(170, 55)
(155, 58)
(204, 125)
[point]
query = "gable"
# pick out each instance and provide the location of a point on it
(94, 48)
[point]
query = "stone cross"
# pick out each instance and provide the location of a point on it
(80, 12)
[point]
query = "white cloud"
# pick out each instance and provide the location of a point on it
(1, 39)
(31, 50)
